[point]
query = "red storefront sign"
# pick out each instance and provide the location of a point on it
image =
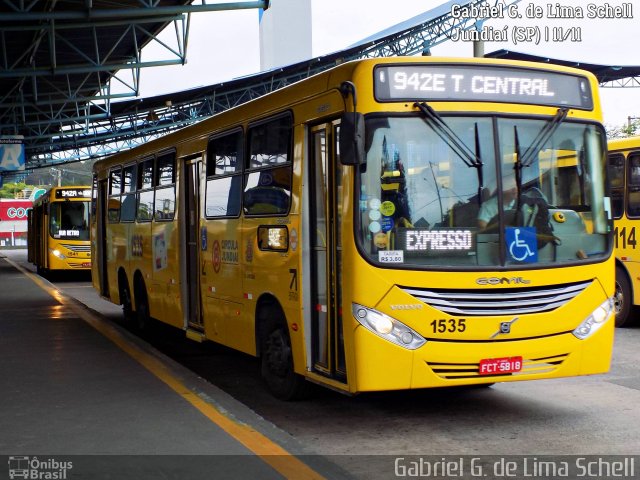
(13, 217)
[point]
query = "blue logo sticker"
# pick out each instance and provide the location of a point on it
(522, 244)
(203, 238)
(387, 224)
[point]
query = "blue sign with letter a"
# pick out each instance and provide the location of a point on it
(11, 153)
(522, 244)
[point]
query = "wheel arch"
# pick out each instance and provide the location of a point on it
(623, 267)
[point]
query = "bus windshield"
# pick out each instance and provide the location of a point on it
(69, 220)
(489, 192)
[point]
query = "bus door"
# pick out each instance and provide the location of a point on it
(324, 193)
(30, 236)
(101, 245)
(192, 165)
(41, 236)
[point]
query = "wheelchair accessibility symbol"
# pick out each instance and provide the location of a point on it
(522, 244)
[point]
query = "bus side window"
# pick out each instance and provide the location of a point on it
(633, 185)
(224, 175)
(115, 189)
(165, 198)
(144, 195)
(616, 177)
(128, 208)
(268, 180)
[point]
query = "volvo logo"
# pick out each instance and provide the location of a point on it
(415, 306)
(502, 281)
(505, 328)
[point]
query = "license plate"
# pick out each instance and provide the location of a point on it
(499, 366)
(87, 265)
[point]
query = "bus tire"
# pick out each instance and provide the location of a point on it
(125, 299)
(622, 298)
(142, 317)
(276, 363)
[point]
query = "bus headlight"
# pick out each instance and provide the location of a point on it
(386, 327)
(59, 254)
(594, 321)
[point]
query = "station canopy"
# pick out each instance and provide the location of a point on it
(607, 75)
(60, 60)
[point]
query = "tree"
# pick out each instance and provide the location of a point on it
(622, 131)
(10, 190)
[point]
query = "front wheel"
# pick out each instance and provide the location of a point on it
(622, 298)
(277, 364)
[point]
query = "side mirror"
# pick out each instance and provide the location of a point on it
(352, 139)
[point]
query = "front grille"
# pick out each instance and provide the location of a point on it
(77, 248)
(454, 371)
(508, 301)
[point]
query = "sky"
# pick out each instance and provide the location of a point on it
(225, 45)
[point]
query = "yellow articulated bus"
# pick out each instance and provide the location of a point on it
(393, 223)
(624, 175)
(58, 230)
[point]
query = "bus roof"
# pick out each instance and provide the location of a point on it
(624, 143)
(281, 99)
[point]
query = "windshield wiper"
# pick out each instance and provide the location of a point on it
(526, 159)
(517, 168)
(544, 135)
(470, 158)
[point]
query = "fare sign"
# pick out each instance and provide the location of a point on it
(473, 83)
(73, 193)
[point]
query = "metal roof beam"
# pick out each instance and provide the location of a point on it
(629, 82)
(67, 70)
(415, 39)
(25, 14)
(89, 24)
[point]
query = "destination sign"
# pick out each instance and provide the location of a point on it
(471, 83)
(450, 241)
(73, 193)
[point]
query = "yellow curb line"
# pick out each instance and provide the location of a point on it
(271, 453)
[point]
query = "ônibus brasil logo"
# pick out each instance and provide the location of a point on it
(38, 469)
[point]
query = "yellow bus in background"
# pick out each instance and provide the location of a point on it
(58, 230)
(393, 223)
(624, 175)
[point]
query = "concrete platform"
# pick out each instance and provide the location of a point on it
(78, 388)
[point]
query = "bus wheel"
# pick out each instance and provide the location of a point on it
(277, 364)
(142, 318)
(622, 299)
(125, 298)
